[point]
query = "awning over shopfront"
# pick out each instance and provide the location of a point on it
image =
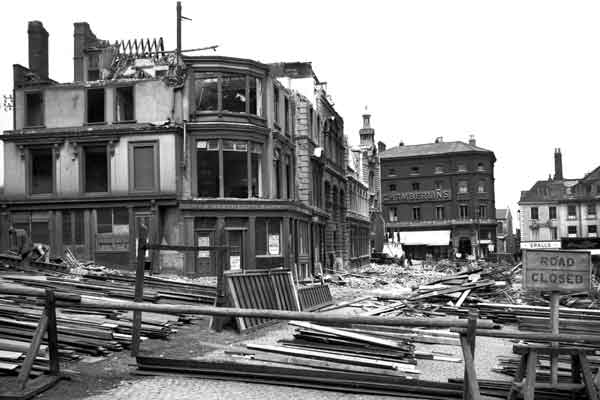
(425, 238)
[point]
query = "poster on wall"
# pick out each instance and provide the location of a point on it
(203, 241)
(273, 244)
(234, 262)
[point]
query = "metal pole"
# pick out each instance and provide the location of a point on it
(178, 29)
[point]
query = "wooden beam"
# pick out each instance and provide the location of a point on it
(52, 332)
(32, 352)
(530, 376)
(588, 379)
(472, 384)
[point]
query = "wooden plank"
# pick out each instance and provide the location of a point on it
(472, 385)
(50, 311)
(139, 290)
(32, 352)
(348, 334)
(588, 379)
(462, 298)
(322, 355)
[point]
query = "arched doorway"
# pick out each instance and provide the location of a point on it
(464, 246)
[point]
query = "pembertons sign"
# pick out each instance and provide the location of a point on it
(425, 195)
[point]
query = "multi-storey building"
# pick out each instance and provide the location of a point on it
(357, 216)
(197, 148)
(505, 238)
(321, 162)
(371, 175)
(438, 198)
(558, 212)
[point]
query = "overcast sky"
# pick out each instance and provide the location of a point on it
(522, 76)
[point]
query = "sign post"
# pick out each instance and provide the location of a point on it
(557, 272)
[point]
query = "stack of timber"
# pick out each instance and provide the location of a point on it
(90, 332)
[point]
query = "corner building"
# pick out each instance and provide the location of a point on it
(438, 198)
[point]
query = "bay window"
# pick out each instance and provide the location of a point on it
(236, 93)
(228, 168)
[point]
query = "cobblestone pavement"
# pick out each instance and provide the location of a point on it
(179, 388)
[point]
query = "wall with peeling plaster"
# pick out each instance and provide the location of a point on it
(15, 176)
(64, 107)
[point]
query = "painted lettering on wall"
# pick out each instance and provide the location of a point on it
(426, 195)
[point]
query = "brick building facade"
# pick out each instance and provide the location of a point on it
(438, 198)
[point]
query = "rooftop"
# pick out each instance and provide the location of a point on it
(430, 149)
(501, 213)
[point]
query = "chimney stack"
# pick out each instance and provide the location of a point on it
(558, 170)
(381, 147)
(472, 141)
(38, 49)
(401, 143)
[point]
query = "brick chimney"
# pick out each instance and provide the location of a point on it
(367, 134)
(472, 141)
(38, 49)
(558, 170)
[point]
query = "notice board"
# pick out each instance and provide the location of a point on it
(557, 271)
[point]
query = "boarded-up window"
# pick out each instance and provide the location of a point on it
(96, 169)
(95, 105)
(34, 111)
(124, 104)
(144, 166)
(41, 171)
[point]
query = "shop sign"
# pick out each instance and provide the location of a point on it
(274, 245)
(548, 244)
(203, 241)
(235, 262)
(426, 195)
(112, 242)
(557, 270)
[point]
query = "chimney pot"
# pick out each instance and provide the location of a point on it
(472, 141)
(38, 48)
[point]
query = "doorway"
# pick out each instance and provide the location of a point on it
(205, 260)
(236, 249)
(464, 246)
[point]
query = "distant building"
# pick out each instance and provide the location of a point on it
(438, 198)
(505, 237)
(561, 213)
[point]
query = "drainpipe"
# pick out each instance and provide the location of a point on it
(184, 155)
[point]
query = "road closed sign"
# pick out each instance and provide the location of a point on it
(557, 270)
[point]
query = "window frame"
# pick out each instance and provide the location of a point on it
(463, 207)
(26, 114)
(86, 109)
(82, 162)
(416, 213)
(460, 184)
(115, 109)
(552, 212)
(219, 77)
(29, 169)
(462, 167)
(534, 213)
(131, 151)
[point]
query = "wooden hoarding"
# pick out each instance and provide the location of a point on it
(557, 271)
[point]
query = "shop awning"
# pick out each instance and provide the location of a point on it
(425, 238)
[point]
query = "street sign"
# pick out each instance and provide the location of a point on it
(557, 271)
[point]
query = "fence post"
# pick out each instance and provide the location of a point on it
(52, 331)
(218, 322)
(469, 357)
(139, 290)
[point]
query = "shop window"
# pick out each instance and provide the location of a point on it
(463, 211)
(462, 167)
(416, 186)
(572, 231)
(463, 187)
(95, 106)
(144, 166)
(95, 169)
(571, 211)
(113, 220)
(73, 227)
(268, 236)
(439, 213)
(554, 233)
(392, 187)
(303, 238)
(207, 94)
(534, 213)
(124, 104)
(552, 212)
(41, 171)
(592, 230)
(34, 109)
(235, 168)
(416, 213)
(208, 168)
(234, 93)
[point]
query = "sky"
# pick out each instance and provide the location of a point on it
(522, 76)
